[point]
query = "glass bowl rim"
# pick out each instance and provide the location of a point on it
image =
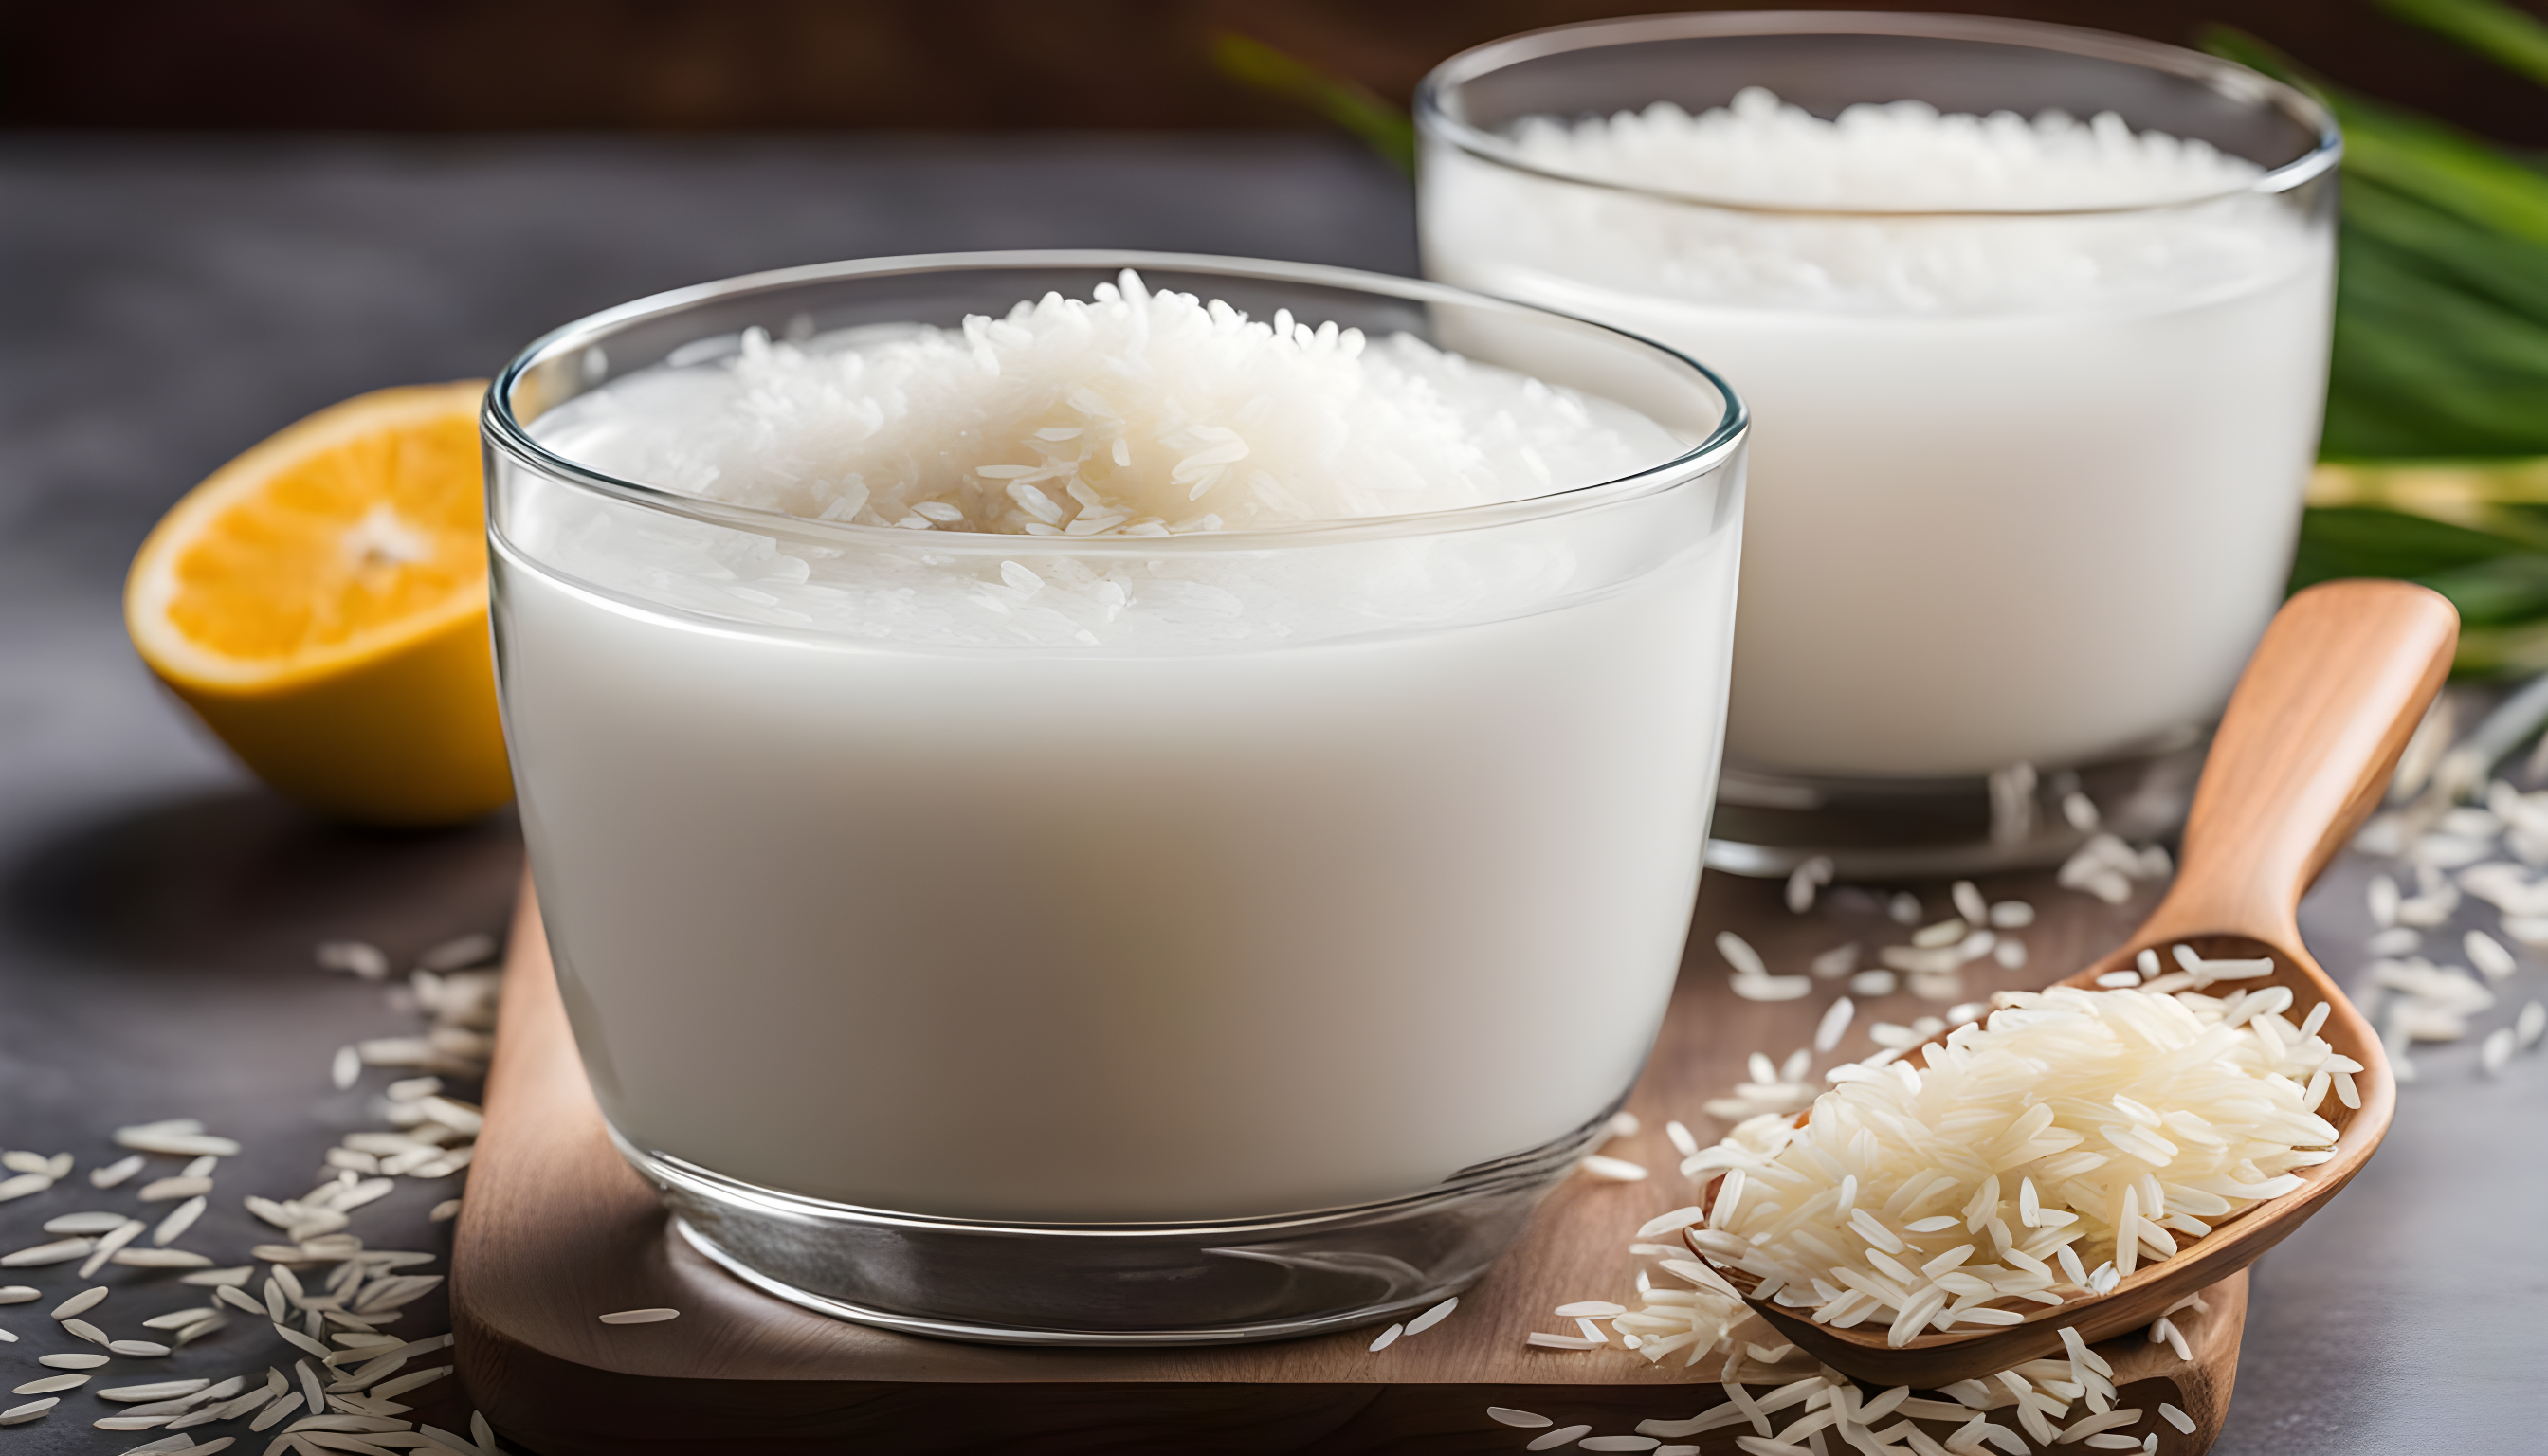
(503, 430)
(2225, 77)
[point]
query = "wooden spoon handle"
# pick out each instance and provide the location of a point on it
(2312, 735)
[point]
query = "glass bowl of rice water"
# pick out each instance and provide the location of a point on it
(1111, 799)
(2035, 320)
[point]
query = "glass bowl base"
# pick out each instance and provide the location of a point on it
(1199, 1283)
(1885, 830)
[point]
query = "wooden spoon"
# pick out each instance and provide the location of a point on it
(2312, 735)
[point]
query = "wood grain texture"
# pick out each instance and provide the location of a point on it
(2310, 740)
(557, 1230)
(2305, 752)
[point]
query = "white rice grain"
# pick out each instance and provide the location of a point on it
(2079, 811)
(1433, 1315)
(1833, 1024)
(175, 1144)
(300, 1342)
(160, 1258)
(1525, 1420)
(1770, 987)
(640, 1316)
(406, 1383)
(178, 1222)
(1807, 878)
(2497, 1053)
(59, 1252)
(178, 1318)
(160, 1391)
(81, 1302)
(163, 1189)
(2396, 940)
(275, 1413)
(2488, 955)
(1837, 962)
(1738, 952)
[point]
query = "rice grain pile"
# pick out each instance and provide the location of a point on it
(1904, 157)
(1886, 209)
(2451, 858)
(1133, 413)
(2039, 1155)
(1002, 459)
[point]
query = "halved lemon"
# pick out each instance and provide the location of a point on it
(320, 602)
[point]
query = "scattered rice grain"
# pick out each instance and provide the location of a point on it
(80, 1302)
(1433, 1315)
(1827, 1032)
(2498, 1051)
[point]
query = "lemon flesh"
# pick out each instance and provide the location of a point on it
(320, 602)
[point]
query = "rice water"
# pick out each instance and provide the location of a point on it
(1154, 784)
(2030, 477)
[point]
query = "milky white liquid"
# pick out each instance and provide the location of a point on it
(2041, 514)
(1032, 933)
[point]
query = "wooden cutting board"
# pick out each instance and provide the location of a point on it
(556, 1230)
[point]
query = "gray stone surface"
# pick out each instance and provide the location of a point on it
(164, 303)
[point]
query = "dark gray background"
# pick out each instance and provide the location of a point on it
(165, 303)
